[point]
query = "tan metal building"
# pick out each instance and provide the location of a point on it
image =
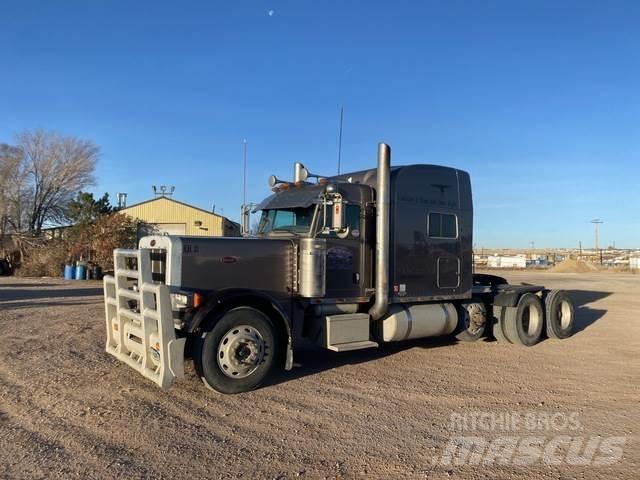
(166, 215)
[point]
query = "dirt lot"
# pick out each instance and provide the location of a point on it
(67, 409)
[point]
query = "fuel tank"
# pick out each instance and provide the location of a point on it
(404, 322)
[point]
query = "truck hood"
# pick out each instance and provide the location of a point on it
(216, 263)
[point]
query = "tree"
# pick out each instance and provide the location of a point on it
(85, 209)
(43, 173)
(56, 167)
(13, 195)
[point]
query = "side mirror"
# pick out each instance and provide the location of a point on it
(334, 215)
(338, 215)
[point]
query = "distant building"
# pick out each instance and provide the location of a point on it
(166, 215)
(634, 263)
(507, 261)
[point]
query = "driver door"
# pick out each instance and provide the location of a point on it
(345, 276)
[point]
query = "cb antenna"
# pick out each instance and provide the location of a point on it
(244, 172)
(340, 137)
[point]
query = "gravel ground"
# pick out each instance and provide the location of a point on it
(67, 409)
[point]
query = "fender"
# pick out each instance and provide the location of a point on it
(217, 301)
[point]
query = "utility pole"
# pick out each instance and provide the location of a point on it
(596, 222)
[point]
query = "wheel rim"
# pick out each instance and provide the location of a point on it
(564, 314)
(474, 318)
(240, 351)
(531, 320)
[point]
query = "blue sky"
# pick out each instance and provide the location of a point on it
(539, 101)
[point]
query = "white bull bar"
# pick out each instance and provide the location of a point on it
(140, 328)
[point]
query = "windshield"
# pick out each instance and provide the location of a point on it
(296, 220)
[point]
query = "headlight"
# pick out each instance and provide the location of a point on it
(180, 301)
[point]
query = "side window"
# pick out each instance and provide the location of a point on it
(352, 217)
(442, 225)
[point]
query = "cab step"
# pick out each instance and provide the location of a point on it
(345, 347)
(349, 331)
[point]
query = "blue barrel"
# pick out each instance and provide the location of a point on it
(81, 272)
(68, 272)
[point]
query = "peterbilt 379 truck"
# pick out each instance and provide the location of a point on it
(350, 262)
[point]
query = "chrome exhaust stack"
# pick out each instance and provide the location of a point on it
(381, 305)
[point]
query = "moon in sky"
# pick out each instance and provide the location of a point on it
(271, 12)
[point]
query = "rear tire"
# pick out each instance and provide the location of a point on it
(523, 323)
(560, 314)
(472, 320)
(238, 353)
(497, 325)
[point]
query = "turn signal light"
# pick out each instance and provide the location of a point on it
(197, 300)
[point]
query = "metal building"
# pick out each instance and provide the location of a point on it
(166, 215)
(507, 261)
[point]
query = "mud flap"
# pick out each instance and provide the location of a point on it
(140, 329)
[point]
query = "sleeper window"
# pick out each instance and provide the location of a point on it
(443, 225)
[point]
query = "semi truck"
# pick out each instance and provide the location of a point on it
(348, 262)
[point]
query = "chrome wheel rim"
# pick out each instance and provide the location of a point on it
(475, 318)
(531, 320)
(564, 312)
(240, 351)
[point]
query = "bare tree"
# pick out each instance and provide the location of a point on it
(54, 168)
(12, 192)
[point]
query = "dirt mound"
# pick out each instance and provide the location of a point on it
(573, 266)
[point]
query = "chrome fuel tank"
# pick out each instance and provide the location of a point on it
(404, 322)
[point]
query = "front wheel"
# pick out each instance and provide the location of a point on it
(238, 353)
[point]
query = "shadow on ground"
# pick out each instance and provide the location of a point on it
(45, 293)
(311, 359)
(20, 305)
(585, 316)
(30, 285)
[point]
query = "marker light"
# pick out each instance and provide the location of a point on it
(197, 300)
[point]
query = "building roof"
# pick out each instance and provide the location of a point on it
(174, 201)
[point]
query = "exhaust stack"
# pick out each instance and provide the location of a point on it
(381, 304)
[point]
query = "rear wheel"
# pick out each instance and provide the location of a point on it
(523, 323)
(560, 315)
(472, 319)
(497, 325)
(238, 353)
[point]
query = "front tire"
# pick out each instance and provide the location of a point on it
(238, 353)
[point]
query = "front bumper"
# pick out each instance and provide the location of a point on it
(140, 325)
